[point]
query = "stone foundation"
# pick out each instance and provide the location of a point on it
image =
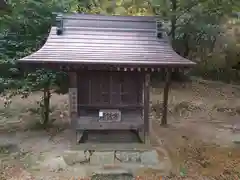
(105, 163)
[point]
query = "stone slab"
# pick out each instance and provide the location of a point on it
(150, 158)
(131, 156)
(102, 158)
(112, 147)
(112, 177)
(54, 164)
(79, 172)
(111, 171)
(133, 168)
(73, 157)
(112, 174)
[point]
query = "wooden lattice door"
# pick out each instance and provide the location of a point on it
(110, 89)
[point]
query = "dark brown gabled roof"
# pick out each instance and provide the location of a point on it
(113, 40)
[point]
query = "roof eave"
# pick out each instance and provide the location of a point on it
(115, 64)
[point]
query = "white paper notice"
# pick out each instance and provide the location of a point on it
(100, 114)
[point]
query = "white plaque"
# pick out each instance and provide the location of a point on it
(100, 114)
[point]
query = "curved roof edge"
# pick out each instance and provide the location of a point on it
(113, 40)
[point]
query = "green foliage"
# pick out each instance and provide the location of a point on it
(118, 7)
(196, 28)
(23, 31)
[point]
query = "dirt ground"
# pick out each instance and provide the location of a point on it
(202, 137)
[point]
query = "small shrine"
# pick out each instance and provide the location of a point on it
(109, 60)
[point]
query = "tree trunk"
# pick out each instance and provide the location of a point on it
(46, 104)
(173, 20)
(213, 44)
(165, 97)
(186, 45)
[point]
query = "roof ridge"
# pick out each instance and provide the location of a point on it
(101, 17)
(110, 29)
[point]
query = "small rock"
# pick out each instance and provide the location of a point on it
(73, 157)
(150, 157)
(98, 158)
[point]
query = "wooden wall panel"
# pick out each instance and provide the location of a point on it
(109, 88)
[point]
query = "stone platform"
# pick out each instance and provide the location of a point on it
(106, 156)
(109, 164)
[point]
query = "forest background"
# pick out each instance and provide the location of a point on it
(204, 31)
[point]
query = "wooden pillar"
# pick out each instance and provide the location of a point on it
(73, 103)
(165, 97)
(146, 91)
(73, 97)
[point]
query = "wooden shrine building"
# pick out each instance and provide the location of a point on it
(109, 60)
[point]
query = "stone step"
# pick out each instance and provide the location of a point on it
(113, 174)
(110, 136)
(112, 146)
(104, 165)
(149, 157)
(124, 160)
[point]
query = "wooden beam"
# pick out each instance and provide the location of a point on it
(107, 106)
(165, 97)
(146, 95)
